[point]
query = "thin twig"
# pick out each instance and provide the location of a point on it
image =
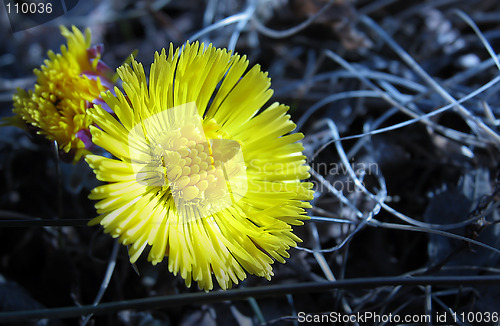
(424, 118)
(475, 124)
(107, 277)
(244, 293)
(249, 12)
(221, 23)
(38, 222)
(476, 29)
(293, 30)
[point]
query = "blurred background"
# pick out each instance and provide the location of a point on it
(405, 192)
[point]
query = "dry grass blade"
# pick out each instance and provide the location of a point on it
(399, 106)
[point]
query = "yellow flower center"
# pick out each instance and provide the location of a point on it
(190, 161)
(189, 166)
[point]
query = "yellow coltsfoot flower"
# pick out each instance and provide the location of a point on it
(199, 176)
(67, 85)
